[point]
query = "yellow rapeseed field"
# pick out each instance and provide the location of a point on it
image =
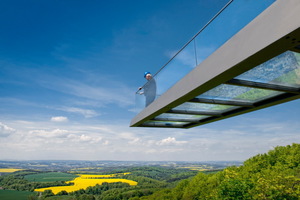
(85, 181)
(9, 170)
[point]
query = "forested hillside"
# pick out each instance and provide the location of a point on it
(274, 175)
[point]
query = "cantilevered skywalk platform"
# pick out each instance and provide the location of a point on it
(257, 67)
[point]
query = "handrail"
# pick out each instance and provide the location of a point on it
(203, 28)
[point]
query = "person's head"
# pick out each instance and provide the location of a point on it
(147, 75)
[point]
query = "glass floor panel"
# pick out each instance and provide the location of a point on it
(165, 123)
(238, 93)
(281, 70)
(204, 107)
(179, 117)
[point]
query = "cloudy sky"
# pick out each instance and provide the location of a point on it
(69, 70)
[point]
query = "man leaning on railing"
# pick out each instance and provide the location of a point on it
(149, 88)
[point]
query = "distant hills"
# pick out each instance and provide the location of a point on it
(107, 165)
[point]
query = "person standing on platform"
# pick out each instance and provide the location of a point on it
(149, 88)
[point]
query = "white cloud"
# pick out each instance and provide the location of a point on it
(84, 138)
(59, 119)
(56, 133)
(170, 141)
(6, 130)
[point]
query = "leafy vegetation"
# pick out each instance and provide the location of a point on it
(16, 181)
(50, 177)
(13, 195)
(275, 175)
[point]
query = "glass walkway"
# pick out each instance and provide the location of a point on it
(254, 64)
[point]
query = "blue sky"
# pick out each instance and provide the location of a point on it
(69, 70)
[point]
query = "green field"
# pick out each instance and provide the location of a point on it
(14, 195)
(50, 177)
